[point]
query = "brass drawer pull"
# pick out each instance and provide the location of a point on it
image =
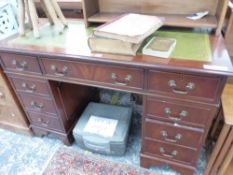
(61, 72)
(182, 114)
(189, 87)
(37, 106)
(42, 122)
(164, 134)
(126, 81)
(20, 66)
(28, 88)
(172, 155)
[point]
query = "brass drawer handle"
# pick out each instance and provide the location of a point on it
(182, 114)
(61, 72)
(42, 122)
(20, 66)
(164, 134)
(172, 155)
(36, 105)
(126, 81)
(189, 87)
(28, 88)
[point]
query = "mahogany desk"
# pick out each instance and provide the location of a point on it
(180, 98)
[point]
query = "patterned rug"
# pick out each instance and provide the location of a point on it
(67, 161)
(25, 155)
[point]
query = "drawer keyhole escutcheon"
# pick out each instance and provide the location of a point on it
(189, 87)
(172, 155)
(37, 106)
(28, 88)
(128, 78)
(182, 114)
(164, 134)
(62, 72)
(20, 66)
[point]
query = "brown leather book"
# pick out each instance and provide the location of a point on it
(114, 46)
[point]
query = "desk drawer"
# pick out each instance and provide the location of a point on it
(179, 112)
(150, 162)
(112, 75)
(38, 104)
(170, 133)
(37, 87)
(11, 115)
(170, 151)
(185, 86)
(45, 121)
(20, 63)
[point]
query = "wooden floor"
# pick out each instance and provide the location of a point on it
(230, 169)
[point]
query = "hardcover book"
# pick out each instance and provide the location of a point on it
(133, 28)
(114, 46)
(159, 47)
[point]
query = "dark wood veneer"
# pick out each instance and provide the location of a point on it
(45, 121)
(153, 129)
(185, 86)
(170, 151)
(149, 161)
(31, 86)
(187, 113)
(119, 76)
(60, 73)
(38, 104)
(20, 63)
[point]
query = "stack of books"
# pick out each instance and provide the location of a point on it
(124, 35)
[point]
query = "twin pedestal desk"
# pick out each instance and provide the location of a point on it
(180, 98)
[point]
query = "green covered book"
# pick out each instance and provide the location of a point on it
(159, 47)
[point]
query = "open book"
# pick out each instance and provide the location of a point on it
(159, 47)
(133, 28)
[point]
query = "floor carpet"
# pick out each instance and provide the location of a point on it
(69, 161)
(25, 155)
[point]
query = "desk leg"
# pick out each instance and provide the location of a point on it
(66, 138)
